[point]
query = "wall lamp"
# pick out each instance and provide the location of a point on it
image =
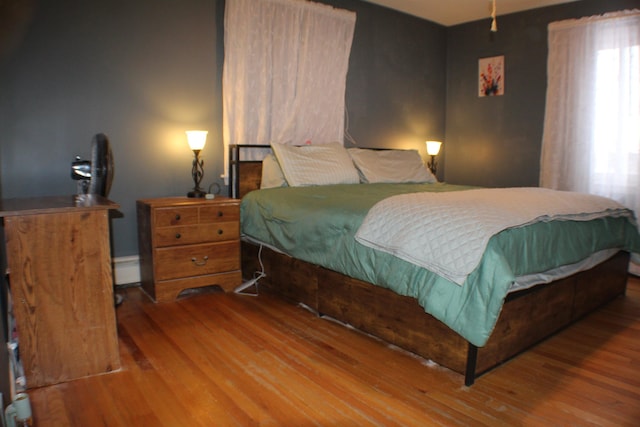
(433, 148)
(197, 139)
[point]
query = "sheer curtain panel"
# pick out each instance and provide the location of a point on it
(284, 73)
(591, 138)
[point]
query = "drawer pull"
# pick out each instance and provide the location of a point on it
(200, 263)
(178, 235)
(220, 232)
(177, 217)
(220, 214)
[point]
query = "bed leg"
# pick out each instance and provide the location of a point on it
(470, 373)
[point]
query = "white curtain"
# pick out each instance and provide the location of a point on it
(591, 138)
(284, 73)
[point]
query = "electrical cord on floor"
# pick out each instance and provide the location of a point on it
(252, 282)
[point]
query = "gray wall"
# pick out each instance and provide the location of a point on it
(396, 84)
(496, 141)
(144, 71)
(140, 71)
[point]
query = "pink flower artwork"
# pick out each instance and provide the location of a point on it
(491, 76)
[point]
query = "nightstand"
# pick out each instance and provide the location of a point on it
(188, 243)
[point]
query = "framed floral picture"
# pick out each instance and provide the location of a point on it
(491, 76)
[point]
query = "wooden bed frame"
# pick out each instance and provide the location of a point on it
(527, 317)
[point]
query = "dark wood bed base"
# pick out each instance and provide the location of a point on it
(527, 317)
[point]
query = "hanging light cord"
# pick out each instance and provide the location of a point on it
(494, 24)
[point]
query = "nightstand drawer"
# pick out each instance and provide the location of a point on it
(197, 260)
(190, 234)
(165, 217)
(209, 214)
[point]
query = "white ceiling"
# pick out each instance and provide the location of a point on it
(453, 12)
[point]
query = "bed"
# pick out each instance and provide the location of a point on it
(461, 334)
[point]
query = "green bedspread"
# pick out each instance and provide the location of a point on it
(318, 224)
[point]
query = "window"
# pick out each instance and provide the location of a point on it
(591, 137)
(616, 130)
(285, 71)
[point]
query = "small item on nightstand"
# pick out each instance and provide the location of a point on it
(214, 189)
(209, 196)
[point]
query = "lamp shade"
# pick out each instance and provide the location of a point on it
(196, 139)
(433, 147)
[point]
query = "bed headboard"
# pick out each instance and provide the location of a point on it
(244, 175)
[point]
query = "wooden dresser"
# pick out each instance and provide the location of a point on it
(61, 283)
(187, 243)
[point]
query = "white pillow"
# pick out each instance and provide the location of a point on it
(320, 164)
(271, 173)
(394, 166)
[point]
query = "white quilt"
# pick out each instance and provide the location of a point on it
(448, 232)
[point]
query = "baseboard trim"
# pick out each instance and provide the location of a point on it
(126, 270)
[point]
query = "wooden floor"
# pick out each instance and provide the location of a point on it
(230, 360)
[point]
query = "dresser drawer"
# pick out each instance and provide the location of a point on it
(196, 260)
(191, 234)
(165, 217)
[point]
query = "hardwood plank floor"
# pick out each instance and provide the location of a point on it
(232, 360)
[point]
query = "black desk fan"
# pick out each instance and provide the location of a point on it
(96, 175)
